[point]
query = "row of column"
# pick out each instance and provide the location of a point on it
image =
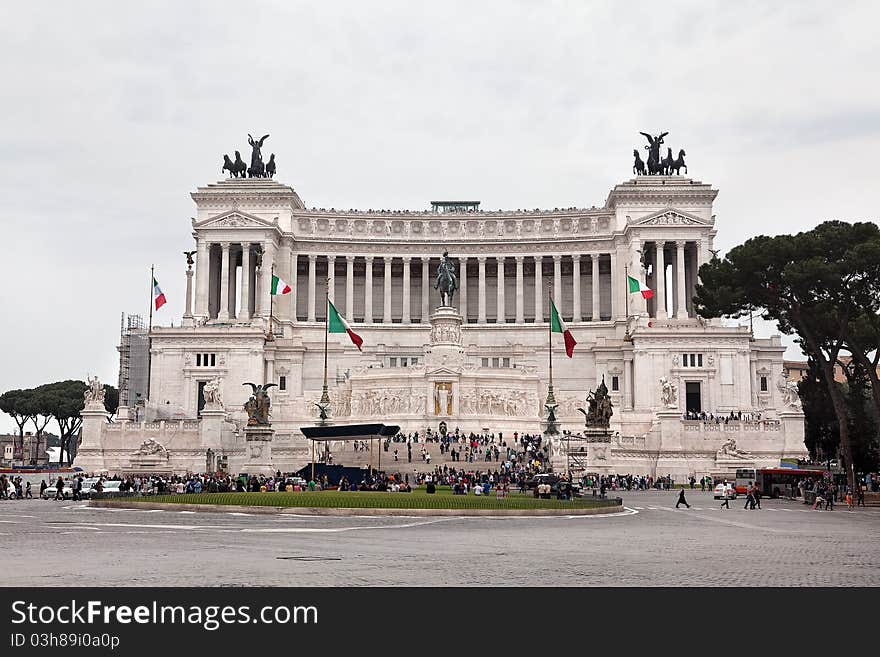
(680, 297)
(217, 281)
(540, 300)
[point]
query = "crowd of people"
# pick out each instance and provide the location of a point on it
(733, 416)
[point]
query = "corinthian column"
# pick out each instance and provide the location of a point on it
(405, 316)
(203, 272)
(520, 314)
(349, 288)
(681, 298)
(425, 288)
(311, 297)
(481, 299)
(386, 306)
(499, 313)
(245, 281)
(594, 257)
(462, 287)
(539, 285)
(331, 277)
(224, 282)
(660, 281)
(557, 282)
(576, 287)
(368, 290)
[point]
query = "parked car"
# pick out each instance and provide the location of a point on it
(51, 491)
(10, 490)
(725, 490)
(109, 488)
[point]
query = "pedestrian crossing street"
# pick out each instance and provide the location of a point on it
(734, 507)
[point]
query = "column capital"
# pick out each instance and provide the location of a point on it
(350, 258)
(481, 259)
(538, 258)
(313, 257)
(387, 259)
(680, 244)
(225, 245)
(406, 259)
(595, 256)
(463, 257)
(557, 258)
(331, 258)
(501, 259)
(519, 259)
(576, 257)
(369, 259)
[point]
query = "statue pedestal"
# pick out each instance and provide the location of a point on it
(258, 450)
(445, 346)
(90, 454)
(211, 426)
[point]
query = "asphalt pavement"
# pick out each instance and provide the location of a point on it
(650, 543)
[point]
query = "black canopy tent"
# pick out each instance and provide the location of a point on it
(371, 432)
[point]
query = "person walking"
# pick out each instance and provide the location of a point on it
(28, 495)
(860, 496)
(681, 499)
(750, 497)
(59, 488)
(726, 496)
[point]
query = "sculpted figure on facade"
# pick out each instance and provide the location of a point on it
(95, 392)
(668, 393)
(446, 282)
(211, 392)
(257, 407)
(151, 448)
(789, 389)
(728, 450)
(599, 408)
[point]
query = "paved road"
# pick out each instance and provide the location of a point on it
(61, 543)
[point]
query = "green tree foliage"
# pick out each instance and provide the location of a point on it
(65, 400)
(821, 285)
(821, 436)
(60, 401)
(14, 404)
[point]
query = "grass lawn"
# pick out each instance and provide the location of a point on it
(418, 499)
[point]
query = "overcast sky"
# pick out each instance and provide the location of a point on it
(113, 112)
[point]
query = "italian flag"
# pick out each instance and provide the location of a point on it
(558, 326)
(158, 295)
(279, 286)
(635, 285)
(336, 324)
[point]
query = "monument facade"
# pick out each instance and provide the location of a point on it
(470, 350)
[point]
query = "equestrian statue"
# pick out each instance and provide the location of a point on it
(446, 280)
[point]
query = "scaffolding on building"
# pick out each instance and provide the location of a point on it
(133, 360)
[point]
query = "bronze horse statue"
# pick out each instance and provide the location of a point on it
(270, 166)
(638, 165)
(446, 281)
(228, 165)
(666, 162)
(678, 163)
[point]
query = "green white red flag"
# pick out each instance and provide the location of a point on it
(635, 285)
(279, 286)
(558, 326)
(158, 295)
(336, 324)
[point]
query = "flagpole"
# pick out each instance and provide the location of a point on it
(550, 332)
(271, 300)
(149, 337)
(551, 399)
(325, 397)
